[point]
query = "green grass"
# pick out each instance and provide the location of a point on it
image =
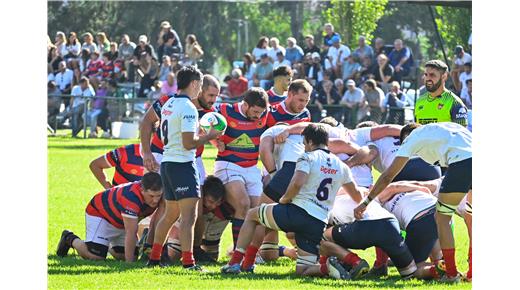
(71, 186)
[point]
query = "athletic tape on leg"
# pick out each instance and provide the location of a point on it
(269, 246)
(307, 260)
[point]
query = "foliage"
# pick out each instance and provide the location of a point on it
(352, 19)
(454, 26)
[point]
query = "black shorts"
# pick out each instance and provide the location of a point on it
(308, 230)
(457, 178)
(383, 233)
(180, 180)
(280, 181)
(421, 235)
(419, 170)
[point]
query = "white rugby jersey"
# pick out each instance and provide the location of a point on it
(362, 174)
(438, 143)
(289, 151)
(178, 115)
(343, 211)
(359, 136)
(387, 148)
(326, 174)
(406, 205)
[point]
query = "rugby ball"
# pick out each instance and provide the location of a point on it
(213, 119)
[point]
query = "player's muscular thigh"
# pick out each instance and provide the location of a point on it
(237, 197)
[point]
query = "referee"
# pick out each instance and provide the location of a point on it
(439, 104)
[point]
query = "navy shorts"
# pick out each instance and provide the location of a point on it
(308, 230)
(421, 235)
(280, 181)
(457, 178)
(180, 180)
(419, 170)
(383, 233)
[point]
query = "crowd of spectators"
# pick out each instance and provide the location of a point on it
(96, 66)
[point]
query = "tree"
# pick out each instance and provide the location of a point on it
(355, 18)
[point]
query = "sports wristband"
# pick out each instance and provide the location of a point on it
(366, 202)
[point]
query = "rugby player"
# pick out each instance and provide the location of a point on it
(293, 109)
(447, 145)
(282, 77)
(304, 207)
(127, 162)
(237, 158)
(179, 126)
(111, 220)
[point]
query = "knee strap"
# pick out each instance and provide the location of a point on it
(468, 208)
(445, 209)
(269, 246)
(307, 260)
(262, 217)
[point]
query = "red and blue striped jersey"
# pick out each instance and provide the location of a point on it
(242, 136)
(224, 211)
(128, 163)
(157, 144)
(108, 69)
(275, 99)
(123, 200)
(279, 113)
(94, 67)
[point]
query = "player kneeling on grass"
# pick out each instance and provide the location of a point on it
(111, 220)
(304, 207)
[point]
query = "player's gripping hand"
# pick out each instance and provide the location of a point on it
(359, 210)
(284, 200)
(149, 162)
(280, 138)
(214, 134)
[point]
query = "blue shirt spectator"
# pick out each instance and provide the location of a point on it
(401, 59)
(293, 52)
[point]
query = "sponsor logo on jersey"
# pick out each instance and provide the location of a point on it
(188, 117)
(232, 124)
(327, 170)
(166, 112)
(420, 107)
(243, 141)
(440, 106)
(182, 189)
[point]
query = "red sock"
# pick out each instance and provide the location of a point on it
(323, 265)
(156, 252)
(351, 259)
(468, 275)
(187, 259)
(249, 258)
(449, 261)
(381, 258)
(238, 254)
(434, 273)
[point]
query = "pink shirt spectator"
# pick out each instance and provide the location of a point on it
(166, 89)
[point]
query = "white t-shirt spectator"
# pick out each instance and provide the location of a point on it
(272, 52)
(249, 74)
(257, 53)
(463, 77)
(353, 97)
(464, 95)
(334, 53)
(77, 91)
(91, 47)
(64, 79)
(74, 49)
(461, 61)
(284, 62)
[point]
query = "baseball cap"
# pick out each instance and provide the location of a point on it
(315, 55)
(165, 24)
(351, 83)
(264, 55)
(143, 38)
(335, 39)
(458, 49)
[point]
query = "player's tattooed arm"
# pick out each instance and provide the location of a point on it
(365, 155)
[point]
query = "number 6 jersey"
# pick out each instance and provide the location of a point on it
(326, 174)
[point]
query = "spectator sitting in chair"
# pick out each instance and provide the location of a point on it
(293, 52)
(339, 86)
(363, 50)
(401, 59)
(365, 72)
(350, 68)
(382, 72)
(374, 97)
(314, 70)
(165, 68)
(53, 103)
(466, 94)
(310, 46)
(84, 89)
(263, 73)
(169, 86)
(337, 52)
(96, 107)
(354, 100)
(460, 59)
(237, 85)
(275, 49)
(168, 41)
(89, 42)
(328, 28)
(465, 75)
(64, 78)
(328, 96)
(394, 99)
(176, 66)
(280, 60)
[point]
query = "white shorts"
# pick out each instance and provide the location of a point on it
(200, 169)
(100, 231)
(250, 176)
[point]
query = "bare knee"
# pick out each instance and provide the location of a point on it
(252, 214)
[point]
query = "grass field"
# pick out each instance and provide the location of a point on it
(71, 186)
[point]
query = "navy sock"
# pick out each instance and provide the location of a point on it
(236, 225)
